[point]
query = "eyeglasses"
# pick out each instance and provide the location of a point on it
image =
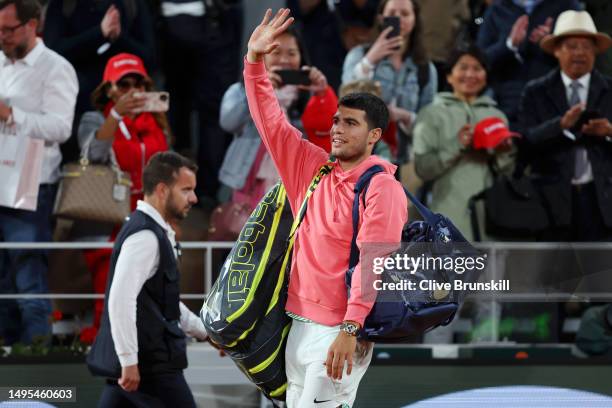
(8, 31)
(127, 83)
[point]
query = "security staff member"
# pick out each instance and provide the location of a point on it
(141, 345)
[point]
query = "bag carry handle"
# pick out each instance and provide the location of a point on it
(114, 164)
(361, 187)
(84, 160)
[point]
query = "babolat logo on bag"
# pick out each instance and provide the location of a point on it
(245, 311)
(246, 281)
(242, 267)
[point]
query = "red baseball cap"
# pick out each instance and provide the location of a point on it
(490, 132)
(122, 64)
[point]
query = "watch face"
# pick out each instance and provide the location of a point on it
(349, 328)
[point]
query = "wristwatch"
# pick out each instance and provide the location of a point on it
(350, 328)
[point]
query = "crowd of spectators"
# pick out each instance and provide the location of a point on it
(453, 64)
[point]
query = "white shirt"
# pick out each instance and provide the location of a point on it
(41, 89)
(514, 50)
(583, 92)
(138, 262)
(191, 8)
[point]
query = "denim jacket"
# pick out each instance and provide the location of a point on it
(402, 85)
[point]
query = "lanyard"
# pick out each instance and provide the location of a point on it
(125, 130)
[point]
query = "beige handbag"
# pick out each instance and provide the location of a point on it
(93, 192)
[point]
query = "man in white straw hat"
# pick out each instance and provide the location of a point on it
(510, 35)
(565, 118)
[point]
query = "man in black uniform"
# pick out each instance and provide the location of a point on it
(141, 344)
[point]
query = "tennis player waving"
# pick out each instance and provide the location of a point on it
(324, 362)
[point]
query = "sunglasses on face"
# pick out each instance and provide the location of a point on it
(128, 83)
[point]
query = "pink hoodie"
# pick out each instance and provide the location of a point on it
(320, 257)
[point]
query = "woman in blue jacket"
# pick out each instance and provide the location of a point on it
(408, 79)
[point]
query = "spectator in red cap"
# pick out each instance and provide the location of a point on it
(447, 150)
(87, 34)
(117, 129)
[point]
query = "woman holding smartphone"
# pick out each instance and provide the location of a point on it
(444, 149)
(399, 63)
(308, 101)
(120, 128)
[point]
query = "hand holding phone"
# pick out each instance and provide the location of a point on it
(584, 118)
(394, 23)
(595, 124)
(294, 76)
(388, 42)
(153, 101)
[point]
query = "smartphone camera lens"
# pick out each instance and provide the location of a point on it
(163, 97)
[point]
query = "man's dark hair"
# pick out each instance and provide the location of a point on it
(163, 167)
(376, 112)
(26, 9)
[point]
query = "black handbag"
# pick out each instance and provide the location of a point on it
(514, 207)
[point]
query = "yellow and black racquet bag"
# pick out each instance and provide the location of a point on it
(245, 311)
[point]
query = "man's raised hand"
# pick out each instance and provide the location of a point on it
(263, 38)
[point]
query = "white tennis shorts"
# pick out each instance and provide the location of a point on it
(307, 382)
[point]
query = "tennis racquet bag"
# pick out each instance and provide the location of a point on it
(244, 314)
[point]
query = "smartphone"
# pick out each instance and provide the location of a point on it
(394, 23)
(584, 118)
(294, 76)
(154, 101)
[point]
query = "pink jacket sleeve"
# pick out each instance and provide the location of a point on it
(296, 159)
(384, 217)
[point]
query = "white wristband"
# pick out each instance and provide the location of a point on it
(116, 115)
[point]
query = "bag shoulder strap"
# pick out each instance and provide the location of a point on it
(361, 188)
(324, 170)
